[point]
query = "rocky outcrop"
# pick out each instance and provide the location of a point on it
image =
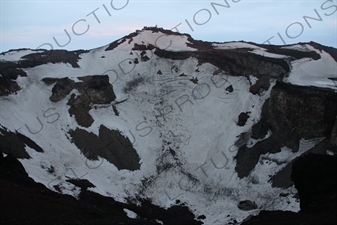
(80, 107)
(8, 86)
(9, 73)
(291, 113)
(242, 119)
(93, 90)
(61, 89)
(235, 62)
(301, 112)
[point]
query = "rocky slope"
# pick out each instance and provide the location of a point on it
(157, 115)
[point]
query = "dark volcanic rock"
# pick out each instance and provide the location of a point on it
(93, 89)
(12, 169)
(291, 218)
(282, 178)
(291, 113)
(247, 158)
(115, 44)
(25, 202)
(9, 73)
(330, 50)
(52, 56)
(82, 183)
(139, 47)
(235, 62)
(260, 129)
(293, 53)
(8, 86)
(97, 89)
(79, 107)
(110, 144)
(230, 88)
(243, 117)
(61, 89)
(247, 205)
(10, 70)
(333, 139)
(261, 84)
(15, 143)
(301, 112)
(315, 178)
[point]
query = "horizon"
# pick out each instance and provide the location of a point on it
(145, 27)
(87, 25)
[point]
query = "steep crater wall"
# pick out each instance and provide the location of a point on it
(291, 113)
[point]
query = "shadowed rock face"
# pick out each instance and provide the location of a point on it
(291, 113)
(315, 178)
(8, 86)
(304, 112)
(110, 144)
(25, 202)
(15, 143)
(237, 62)
(333, 138)
(61, 89)
(97, 89)
(9, 72)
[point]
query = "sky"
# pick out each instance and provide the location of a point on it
(91, 24)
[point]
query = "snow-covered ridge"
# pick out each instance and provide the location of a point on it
(16, 55)
(235, 45)
(304, 72)
(163, 41)
(318, 73)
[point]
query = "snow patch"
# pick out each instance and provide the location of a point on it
(318, 73)
(234, 45)
(130, 214)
